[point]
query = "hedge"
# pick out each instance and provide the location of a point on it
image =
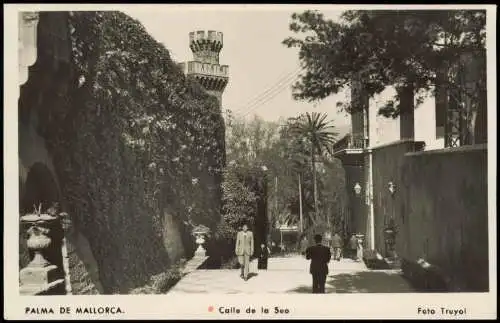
(134, 137)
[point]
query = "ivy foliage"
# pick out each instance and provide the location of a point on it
(136, 137)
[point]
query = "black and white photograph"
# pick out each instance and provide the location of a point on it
(251, 151)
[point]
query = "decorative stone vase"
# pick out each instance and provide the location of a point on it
(40, 276)
(39, 239)
(200, 240)
(200, 232)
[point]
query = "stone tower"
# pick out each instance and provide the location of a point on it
(205, 66)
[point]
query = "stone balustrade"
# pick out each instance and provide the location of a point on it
(195, 67)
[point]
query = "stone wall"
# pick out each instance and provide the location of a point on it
(445, 214)
(388, 161)
(439, 207)
(172, 238)
(357, 217)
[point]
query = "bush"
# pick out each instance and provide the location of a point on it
(373, 260)
(161, 283)
(164, 281)
(425, 277)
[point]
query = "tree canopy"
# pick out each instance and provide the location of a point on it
(382, 48)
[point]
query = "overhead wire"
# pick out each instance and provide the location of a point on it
(269, 94)
(269, 89)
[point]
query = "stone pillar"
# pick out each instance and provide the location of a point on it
(370, 212)
(407, 113)
(359, 115)
(42, 276)
(27, 43)
(441, 100)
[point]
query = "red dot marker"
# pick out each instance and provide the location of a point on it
(210, 308)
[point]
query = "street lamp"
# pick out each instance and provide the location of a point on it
(357, 188)
(392, 188)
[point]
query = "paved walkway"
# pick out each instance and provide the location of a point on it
(291, 275)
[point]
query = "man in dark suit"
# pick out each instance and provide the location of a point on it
(320, 257)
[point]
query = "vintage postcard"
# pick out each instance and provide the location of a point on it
(249, 161)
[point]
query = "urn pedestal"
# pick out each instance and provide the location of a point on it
(200, 233)
(40, 276)
(200, 251)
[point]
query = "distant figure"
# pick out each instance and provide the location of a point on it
(244, 250)
(359, 249)
(274, 248)
(353, 246)
(303, 245)
(337, 246)
(263, 256)
(320, 257)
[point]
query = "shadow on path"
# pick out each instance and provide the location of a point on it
(362, 282)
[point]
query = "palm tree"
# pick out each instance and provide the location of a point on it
(320, 137)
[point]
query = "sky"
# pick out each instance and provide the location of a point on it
(261, 68)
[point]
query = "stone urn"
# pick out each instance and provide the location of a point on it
(200, 233)
(39, 227)
(40, 275)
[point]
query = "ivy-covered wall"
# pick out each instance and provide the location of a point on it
(134, 139)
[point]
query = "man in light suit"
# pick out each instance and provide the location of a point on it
(244, 250)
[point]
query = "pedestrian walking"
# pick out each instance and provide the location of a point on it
(337, 246)
(263, 257)
(320, 257)
(353, 246)
(359, 248)
(244, 250)
(303, 245)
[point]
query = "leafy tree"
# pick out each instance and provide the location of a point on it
(238, 203)
(319, 135)
(400, 48)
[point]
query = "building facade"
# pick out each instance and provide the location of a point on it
(417, 184)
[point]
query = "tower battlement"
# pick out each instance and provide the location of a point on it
(205, 67)
(206, 45)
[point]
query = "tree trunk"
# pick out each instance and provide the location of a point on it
(481, 122)
(315, 184)
(300, 207)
